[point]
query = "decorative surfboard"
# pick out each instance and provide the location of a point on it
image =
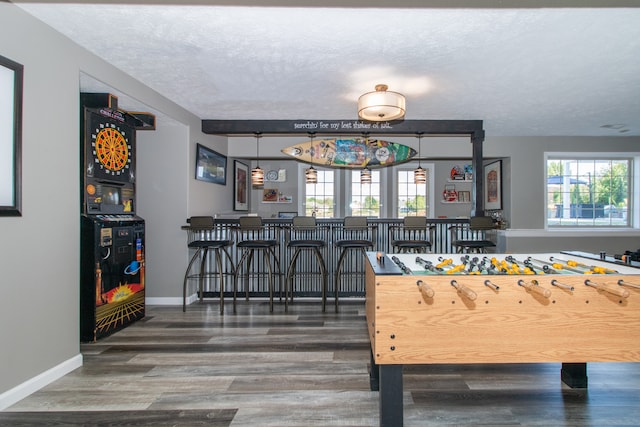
(351, 152)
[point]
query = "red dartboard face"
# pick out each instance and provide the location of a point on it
(111, 149)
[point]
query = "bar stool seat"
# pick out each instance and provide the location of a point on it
(204, 246)
(412, 236)
(251, 239)
(303, 228)
(355, 229)
(480, 245)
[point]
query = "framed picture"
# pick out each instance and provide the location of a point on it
(11, 75)
(287, 215)
(210, 166)
(270, 195)
(240, 186)
(493, 185)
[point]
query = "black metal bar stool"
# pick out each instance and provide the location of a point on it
(477, 227)
(412, 236)
(252, 237)
(355, 234)
(303, 236)
(209, 240)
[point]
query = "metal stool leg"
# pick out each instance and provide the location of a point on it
(186, 278)
(338, 271)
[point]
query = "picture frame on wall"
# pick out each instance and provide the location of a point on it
(493, 185)
(240, 186)
(11, 85)
(211, 166)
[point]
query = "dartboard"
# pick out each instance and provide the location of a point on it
(111, 149)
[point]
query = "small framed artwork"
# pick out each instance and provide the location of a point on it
(287, 215)
(270, 195)
(11, 75)
(493, 185)
(211, 166)
(240, 186)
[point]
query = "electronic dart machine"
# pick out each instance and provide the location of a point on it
(112, 236)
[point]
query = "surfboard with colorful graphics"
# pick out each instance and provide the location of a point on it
(351, 152)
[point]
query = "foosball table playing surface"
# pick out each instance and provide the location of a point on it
(496, 308)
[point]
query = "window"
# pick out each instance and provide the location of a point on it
(365, 198)
(588, 192)
(320, 198)
(414, 199)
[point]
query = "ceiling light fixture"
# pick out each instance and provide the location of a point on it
(311, 174)
(257, 174)
(381, 105)
(419, 174)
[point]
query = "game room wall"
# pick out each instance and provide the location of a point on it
(39, 310)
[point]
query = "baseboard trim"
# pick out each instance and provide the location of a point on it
(34, 384)
(169, 300)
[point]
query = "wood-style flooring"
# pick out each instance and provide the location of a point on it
(303, 368)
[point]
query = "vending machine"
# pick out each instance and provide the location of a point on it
(112, 244)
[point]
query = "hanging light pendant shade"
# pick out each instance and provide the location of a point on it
(257, 174)
(311, 174)
(381, 105)
(419, 174)
(365, 176)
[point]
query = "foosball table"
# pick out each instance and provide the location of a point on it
(496, 308)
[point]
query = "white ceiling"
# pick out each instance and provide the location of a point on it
(524, 71)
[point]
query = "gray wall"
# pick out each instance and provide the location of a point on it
(39, 252)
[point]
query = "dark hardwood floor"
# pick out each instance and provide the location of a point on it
(303, 368)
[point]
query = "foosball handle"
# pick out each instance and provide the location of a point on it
(467, 292)
(540, 290)
(426, 290)
(614, 289)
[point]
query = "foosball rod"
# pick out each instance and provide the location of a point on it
(631, 285)
(554, 282)
(534, 287)
(612, 289)
(426, 290)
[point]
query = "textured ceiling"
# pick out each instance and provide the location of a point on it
(538, 71)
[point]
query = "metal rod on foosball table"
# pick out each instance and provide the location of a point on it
(631, 285)
(554, 282)
(403, 267)
(467, 292)
(534, 287)
(426, 290)
(492, 285)
(548, 269)
(428, 265)
(612, 289)
(584, 268)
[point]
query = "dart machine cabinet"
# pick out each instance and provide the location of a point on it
(112, 237)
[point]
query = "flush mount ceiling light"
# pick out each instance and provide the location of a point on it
(381, 105)
(257, 174)
(311, 174)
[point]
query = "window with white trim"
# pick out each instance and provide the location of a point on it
(413, 199)
(319, 199)
(589, 191)
(365, 198)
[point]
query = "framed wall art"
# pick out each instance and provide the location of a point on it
(493, 185)
(11, 75)
(211, 166)
(240, 186)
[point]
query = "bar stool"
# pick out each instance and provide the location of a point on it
(252, 237)
(357, 235)
(477, 226)
(303, 236)
(210, 240)
(412, 236)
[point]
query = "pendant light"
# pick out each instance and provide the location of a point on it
(311, 174)
(419, 174)
(257, 174)
(365, 174)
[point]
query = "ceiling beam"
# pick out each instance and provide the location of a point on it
(342, 127)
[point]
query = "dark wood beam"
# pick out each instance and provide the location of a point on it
(341, 127)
